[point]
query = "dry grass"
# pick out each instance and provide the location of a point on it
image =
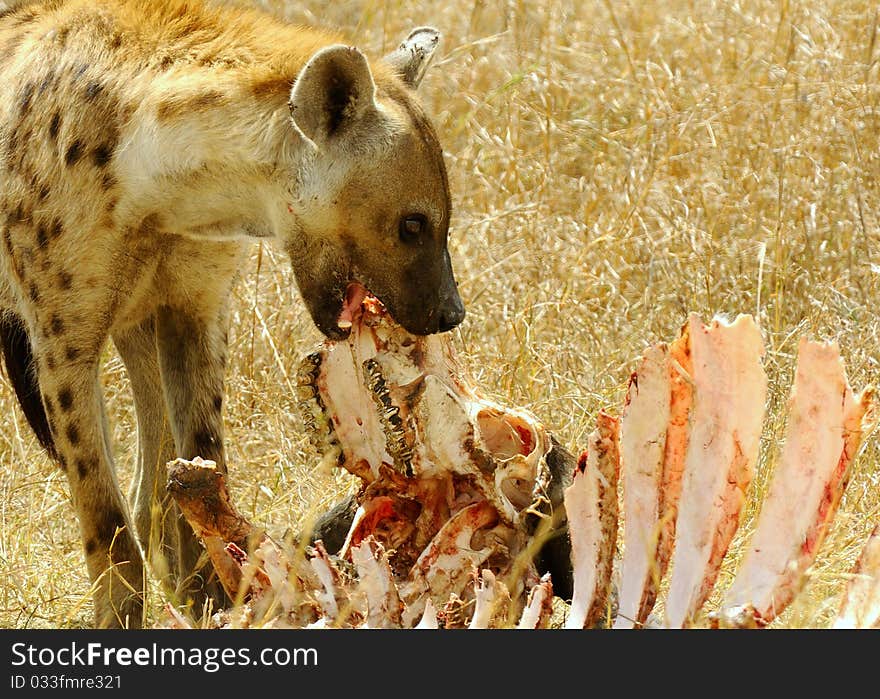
(615, 165)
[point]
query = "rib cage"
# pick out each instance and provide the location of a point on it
(313, 588)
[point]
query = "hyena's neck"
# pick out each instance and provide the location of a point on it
(211, 146)
(214, 160)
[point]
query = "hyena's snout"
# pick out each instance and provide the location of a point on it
(437, 312)
(451, 311)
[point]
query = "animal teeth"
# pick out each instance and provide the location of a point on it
(389, 415)
(312, 409)
(344, 324)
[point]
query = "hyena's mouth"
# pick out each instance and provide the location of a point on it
(355, 293)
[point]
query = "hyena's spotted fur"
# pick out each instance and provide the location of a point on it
(141, 144)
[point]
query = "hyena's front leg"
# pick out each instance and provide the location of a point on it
(72, 397)
(156, 520)
(192, 359)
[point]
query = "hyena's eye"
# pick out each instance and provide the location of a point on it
(412, 227)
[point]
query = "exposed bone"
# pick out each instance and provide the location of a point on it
(429, 617)
(825, 427)
(643, 428)
(730, 389)
(674, 457)
(459, 479)
(356, 425)
(861, 601)
(174, 619)
(276, 568)
(591, 504)
(329, 577)
(374, 573)
(200, 491)
(312, 409)
(446, 565)
(428, 447)
(486, 597)
(540, 607)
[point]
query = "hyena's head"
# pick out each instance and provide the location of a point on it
(371, 204)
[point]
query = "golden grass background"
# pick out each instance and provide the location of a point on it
(614, 165)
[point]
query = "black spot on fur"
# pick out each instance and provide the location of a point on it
(91, 546)
(74, 153)
(73, 434)
(57, 228)
(20, 369)
(55, 125)
(108, 182)
(84, 467)
(42, 236)
(18, 265)
(33, 293)
(65, 281)
(56, 325)
(107, 526)
(27, 95)
(218, 403)
(47, 81)
(43, 194)
(71, 353)
(102, 154)
(65, 399)
(93, 89)
(11, 158)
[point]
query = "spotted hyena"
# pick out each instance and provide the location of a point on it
(143, 143)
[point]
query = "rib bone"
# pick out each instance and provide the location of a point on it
(643, 428)
(730, 389)
(861, 601)
(591, 504)
(825, 427)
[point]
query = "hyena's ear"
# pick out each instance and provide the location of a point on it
(332, 91)
(412, 58)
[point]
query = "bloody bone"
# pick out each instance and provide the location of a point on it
(825, 427)
(200, 491)
(280, 588)
(860, 608)
(675, 452)
(653, 444)
(643, 433)
(452, 481)
(591, 504)
(540, 606)
(444, 528)
(730, 389)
